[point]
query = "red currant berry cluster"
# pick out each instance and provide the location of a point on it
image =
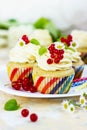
(24, 84)
(66, 40)
(26, 39)
(33, 116)
(55, 54)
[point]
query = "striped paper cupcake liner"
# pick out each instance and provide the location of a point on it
(84, 57)
(53, 85)
(78, 71)
(19, 73)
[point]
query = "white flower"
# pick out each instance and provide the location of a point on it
(59, 45)
(71, 108)
(65, 104)
(82, 100)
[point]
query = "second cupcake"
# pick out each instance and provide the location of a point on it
(53, 73)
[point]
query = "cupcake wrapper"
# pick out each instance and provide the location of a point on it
(84, 57)
(19, 73)
(78, 71)
(52, 85)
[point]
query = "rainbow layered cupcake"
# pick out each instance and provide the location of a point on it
(53, 73)
(74, 55)
(22, 59)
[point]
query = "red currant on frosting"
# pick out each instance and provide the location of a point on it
(55, 54)
(56, 60)
(69, 37)
(33, 117)
(61, 51)
(66, 40)
(26, 39)
(25, 112)
(49, 61)
(63, 39)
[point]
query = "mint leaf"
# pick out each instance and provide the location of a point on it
(34, 41)
(11, 105)
(42, 50)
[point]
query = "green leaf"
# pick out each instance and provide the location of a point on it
(11, 105)
(52, 30)
(41, 22)
(42, 50)
(44, 23)
(34, 41)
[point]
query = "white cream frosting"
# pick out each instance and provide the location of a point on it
(74, 56)
(42, 36)
(80, 37)
(25, 53)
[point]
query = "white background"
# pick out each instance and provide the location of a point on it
(65, 13)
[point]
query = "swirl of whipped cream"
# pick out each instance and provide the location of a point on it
(23, 53)
(73, 55)
(64, 64)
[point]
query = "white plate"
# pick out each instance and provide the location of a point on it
(4, 80)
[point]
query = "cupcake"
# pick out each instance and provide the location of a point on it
(53, 73)
(22, 59)
(80, 37)
(74, 55)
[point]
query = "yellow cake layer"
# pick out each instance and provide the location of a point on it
(59, 73)
(19, 65)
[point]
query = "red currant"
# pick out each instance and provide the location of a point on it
(49, 61)
(16, 85)
(52, 55)
(63, 39)
(61, 51)
(25, 87)
(25, 112)
(56, 60)
(26, 83)
(61, 57)
(25, 38)
(69, 37)
(56, 51)
(33, 117)
(32, 89)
